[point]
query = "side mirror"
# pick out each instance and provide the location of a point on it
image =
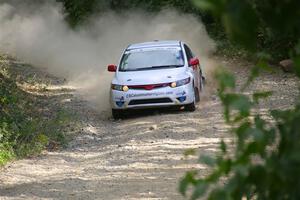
(194, 61)
(112, 68)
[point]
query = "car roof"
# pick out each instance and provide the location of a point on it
(156, 43)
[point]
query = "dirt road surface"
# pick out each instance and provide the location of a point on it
(136, 158)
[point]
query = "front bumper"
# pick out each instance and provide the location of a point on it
(160, 97)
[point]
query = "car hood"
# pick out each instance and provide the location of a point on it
(150, 76)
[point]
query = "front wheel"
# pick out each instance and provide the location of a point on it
(192, 106)
(117, 114)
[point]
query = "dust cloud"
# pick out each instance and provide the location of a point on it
(40, 36)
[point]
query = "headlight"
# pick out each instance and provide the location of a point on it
(119, 87)
(180, 83)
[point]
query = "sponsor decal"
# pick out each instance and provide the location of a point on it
(181, 93)
(145, 48)
(150, 94)
(120, 98)
(120, 101)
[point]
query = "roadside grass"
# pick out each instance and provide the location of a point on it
(29, 123)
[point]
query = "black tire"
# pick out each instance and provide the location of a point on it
(203, 81)
(117, 114)
(192, 106)
(197, 95)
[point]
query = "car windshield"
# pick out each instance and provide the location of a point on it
(147, 59)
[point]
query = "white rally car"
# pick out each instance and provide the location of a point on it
(156, 74)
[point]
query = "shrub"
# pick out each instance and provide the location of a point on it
(23, 131)
(265, 162)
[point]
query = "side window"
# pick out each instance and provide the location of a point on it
(188, 51)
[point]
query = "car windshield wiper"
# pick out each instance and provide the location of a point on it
(166, 66)
(155, 67)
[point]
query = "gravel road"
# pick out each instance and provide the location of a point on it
(140, 157)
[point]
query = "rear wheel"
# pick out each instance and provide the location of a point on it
(202, 82)
(197, 95)
(117, 114)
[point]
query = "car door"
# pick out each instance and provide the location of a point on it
(195, 69)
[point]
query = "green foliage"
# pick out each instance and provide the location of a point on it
(251, 24)
(265, 160)
(5, 156)
(78, 11)
(238, 18)
(271, 26)
(266, 155)
(23, 131)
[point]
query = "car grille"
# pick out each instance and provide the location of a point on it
(150, 101)
(148, 87)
